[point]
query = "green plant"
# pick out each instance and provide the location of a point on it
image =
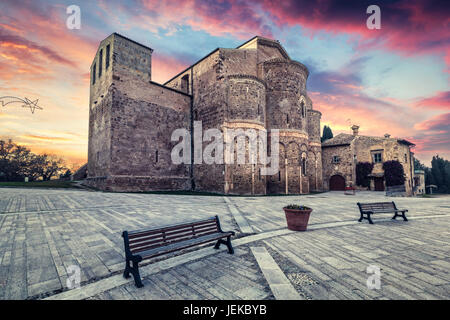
(363, 169)
(393, 173)
(327, 134)
(296, 207)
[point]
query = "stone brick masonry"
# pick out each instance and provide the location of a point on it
(254, 86)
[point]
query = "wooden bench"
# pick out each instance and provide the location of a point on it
(148, 243)
(380, 207)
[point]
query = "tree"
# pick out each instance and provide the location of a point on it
(419, 166)
(66, 174)
(440, 174)
(52, 166)
(327, 134)
(18, 162)
(363, 169)
(393, 173)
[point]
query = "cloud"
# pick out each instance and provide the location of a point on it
(408, 26)
(26, 49)
(44, 138)
(439, 101)
(439, 123)
(237, 18)
(433, 136)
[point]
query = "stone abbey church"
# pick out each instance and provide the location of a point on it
(254, 86)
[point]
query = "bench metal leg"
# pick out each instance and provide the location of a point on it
(230, 247)
(217, 246)
(361, 218)
(126, 273)
(368, 218)
(135, 272)
(404, 216)
(227, 243)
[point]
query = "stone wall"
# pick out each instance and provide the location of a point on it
(131, 125)
(344, 168)
(391, 149)
(363, 147)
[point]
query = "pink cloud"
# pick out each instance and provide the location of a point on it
(440, 101)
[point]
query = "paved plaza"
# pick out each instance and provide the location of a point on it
(45, 231)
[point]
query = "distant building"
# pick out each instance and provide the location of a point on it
(341, 154)
(419, 182)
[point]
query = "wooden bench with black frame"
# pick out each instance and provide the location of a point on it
(152, 242)
(380, 207)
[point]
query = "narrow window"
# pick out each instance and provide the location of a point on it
(108, 49)
(259, 174)
(156, 156)
(304, 166)
(100, 63)
(185, 84)
(287, 119)
(279, 175)
(94, 71)
(406, 158)
(336, 159)
(377, 158)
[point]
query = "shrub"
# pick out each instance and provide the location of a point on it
(296, 207)
(363, 169)
(393, 173)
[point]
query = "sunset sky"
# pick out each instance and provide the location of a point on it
(393, 80)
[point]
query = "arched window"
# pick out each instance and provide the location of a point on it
(303, 163)
(302, 108)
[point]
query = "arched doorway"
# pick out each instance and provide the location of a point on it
(337, 183)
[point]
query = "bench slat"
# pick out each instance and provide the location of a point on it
(180, 245)
(176, 238)
(144, 232)
(174, 232)
(167, 244)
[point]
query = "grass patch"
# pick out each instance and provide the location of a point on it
(39, 184)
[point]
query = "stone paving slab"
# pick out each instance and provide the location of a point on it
(42, 232)
(279, 284)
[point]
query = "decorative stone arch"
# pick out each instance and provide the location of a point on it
(337, 182)
(303, 147)
(247, 142)
(293, 153)
(303, 162)
(281, 154)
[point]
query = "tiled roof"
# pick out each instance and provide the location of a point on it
(340, 139)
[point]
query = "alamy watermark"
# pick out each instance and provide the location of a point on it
(74, 19)
(74, 279)
(227, 147)
(374, 20)
(374, 281)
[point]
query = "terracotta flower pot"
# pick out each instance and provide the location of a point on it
(297, 220)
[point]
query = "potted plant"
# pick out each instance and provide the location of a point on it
(297, 217)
